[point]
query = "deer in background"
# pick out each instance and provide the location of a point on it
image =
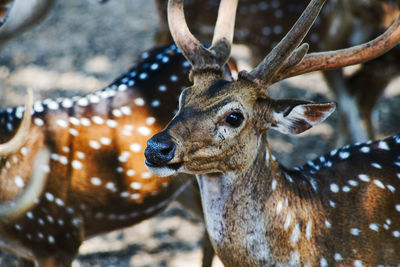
(96, 180)
(342, 209)
(342, 23)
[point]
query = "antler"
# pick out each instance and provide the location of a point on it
(275, 60)
(20, 137)
(344, 57)
(199, 56)
(22, 203)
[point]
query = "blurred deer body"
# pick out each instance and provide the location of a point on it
(97, 181)
(342, 209)
(342, 23)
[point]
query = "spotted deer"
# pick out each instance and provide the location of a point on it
(95, 180)
(341, 209)
(342, 23)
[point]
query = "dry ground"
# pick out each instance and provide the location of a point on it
(80, 48)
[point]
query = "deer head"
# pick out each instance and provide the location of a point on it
(221, 123)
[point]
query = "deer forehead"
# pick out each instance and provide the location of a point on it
(218, 92)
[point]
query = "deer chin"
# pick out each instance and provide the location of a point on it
(163, 171)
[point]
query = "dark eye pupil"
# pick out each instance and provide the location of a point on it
(235, 119)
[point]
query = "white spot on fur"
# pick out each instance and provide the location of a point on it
(383, 145)
(59, 202)
(376, 165)
(364, 178)
(295, 236)
(273, 185)
(76, 164)
(309, 230)
(111, 186)
(112, 123)
(150, 120)
(139, 101)
(95, 181)
(355, 231)
(49, 196)
(62, 123)
(94, 144)
(98, 120)
(365, 149)
(143, 130)
(358, 263)
(19, 182)
(85, 122)
(374, 227)
(334, 188)
(287, 222)
(328, 224)
(135, 147)
(279, 207)
(323, 262)
(379, 184)
(105, 141)
(38, 122)
(73, 132)
(136, 185)
(344, 155)
(146, 175)
(337, 257)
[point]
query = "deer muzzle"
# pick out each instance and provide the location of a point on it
(159, 152)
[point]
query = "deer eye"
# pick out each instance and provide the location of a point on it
(234, 119)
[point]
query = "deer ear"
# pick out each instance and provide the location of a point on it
(296, 116)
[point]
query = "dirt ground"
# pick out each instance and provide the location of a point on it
(81, 47)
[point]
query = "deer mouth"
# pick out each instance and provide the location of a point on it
(163, 170)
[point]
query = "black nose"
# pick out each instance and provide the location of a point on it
(160, 150)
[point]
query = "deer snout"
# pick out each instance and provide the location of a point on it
(160, 150)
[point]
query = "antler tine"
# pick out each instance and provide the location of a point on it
(274, 61)
(191, 48)
(344, 57)
(224, 30)
(20, 137)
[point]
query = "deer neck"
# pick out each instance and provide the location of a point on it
(245, 212)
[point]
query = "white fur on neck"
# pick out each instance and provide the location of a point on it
(215, 191)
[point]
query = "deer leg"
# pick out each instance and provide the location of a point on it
(370, 82)
(351, 128)
(56, 261)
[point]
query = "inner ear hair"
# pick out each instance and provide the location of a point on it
(284, 106)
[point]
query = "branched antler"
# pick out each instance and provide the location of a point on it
(345, 57)
(199, 56)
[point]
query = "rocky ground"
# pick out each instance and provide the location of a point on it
(81, 47)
